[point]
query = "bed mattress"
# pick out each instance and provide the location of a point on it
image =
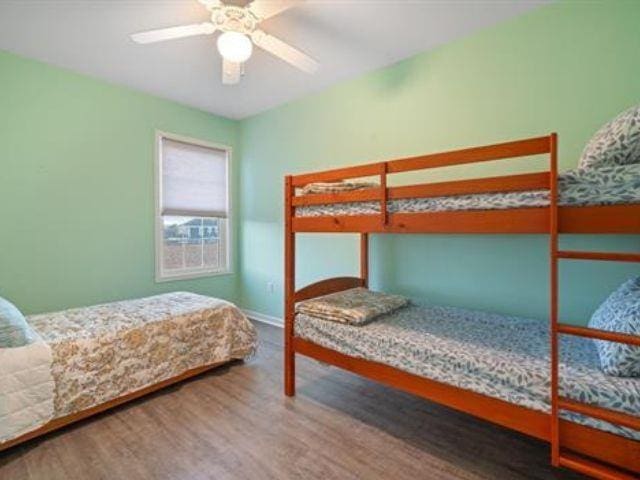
(498, 356)
(105, 351)
(580, 187)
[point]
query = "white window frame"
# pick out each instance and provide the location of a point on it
(226, 230)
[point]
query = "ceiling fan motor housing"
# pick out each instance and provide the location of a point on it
(231, 18)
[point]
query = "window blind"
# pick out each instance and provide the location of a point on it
(194, 180)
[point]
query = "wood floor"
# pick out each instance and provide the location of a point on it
(235, 423)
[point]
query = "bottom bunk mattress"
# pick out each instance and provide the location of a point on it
(498, 356)
(103, 352)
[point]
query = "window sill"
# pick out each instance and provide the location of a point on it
(191, 276)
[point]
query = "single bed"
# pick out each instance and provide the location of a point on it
(499, 356)
(84, 358)
(610, 185)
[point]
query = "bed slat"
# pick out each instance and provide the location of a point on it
(368, 170)
(364, 195)
(602, 256)
(599, 334)
(593, 469)
(611, 416)
(500, 151)
(508, 183)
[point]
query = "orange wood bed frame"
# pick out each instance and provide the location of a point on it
(584, 449)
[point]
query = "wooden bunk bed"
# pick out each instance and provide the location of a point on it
(585, 449)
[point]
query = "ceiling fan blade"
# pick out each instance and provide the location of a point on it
(231, 72)
(284, 51)
(171, 33)
(264, 9)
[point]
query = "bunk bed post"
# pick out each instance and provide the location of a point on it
(383, 194)
(553, 269)
(289, 289)
(364, 259)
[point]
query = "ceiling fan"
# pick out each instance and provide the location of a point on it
(239, 27)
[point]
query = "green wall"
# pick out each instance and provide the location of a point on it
(76, 176)
(566, 67)
(76, 187)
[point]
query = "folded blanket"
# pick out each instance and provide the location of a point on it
(336, 187)
(355, 306)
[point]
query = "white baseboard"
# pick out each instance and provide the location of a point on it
(261, 317)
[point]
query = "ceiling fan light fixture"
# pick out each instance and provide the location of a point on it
(239, 32)
(235, 47)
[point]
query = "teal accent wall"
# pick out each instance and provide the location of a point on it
(77, 190)
(567, 67)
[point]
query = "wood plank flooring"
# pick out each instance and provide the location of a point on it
(235, 423)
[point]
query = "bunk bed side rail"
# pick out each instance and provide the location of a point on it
(499, 151)
(384, 220)
(368, 170)
(504, 183)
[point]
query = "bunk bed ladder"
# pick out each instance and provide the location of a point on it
(559, 403)
(559, 457)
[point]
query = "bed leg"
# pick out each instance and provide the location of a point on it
(289, 372)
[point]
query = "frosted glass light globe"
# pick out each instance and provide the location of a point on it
(235, 47)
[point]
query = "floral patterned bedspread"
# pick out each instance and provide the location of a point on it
(606, 185)
(498, 356)
(105, 351)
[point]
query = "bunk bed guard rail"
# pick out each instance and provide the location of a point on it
(511, 221)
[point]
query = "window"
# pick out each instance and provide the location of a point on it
(192, 208)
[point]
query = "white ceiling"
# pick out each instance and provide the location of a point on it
(347, 37)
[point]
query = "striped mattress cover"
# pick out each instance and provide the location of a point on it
(610, 185)
(499, 356)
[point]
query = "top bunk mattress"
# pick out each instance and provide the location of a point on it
(612, 185)
(105, 351)
(498, 356)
